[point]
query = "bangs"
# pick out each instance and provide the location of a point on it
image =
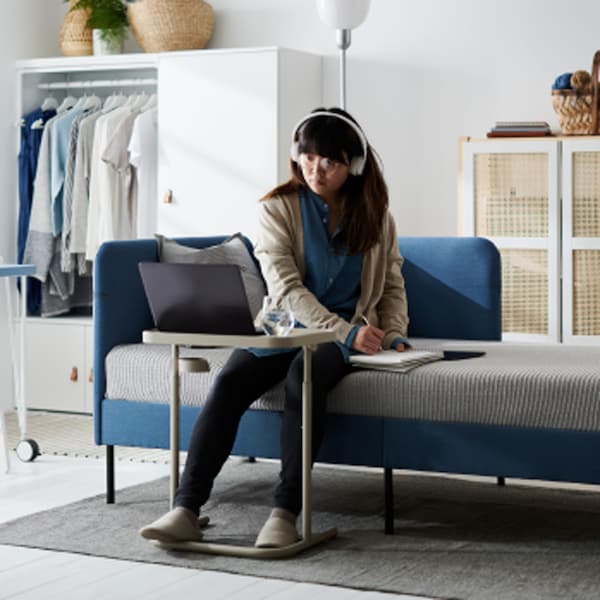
(329, 137)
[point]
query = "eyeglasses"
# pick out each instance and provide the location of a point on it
(312, 161)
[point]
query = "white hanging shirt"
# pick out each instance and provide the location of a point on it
(81, 183)
(123, 208)
(103, 185)
(143, 155)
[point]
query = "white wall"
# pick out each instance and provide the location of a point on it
(423, 73)
(420, 74)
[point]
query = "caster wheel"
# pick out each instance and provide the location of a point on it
(28, 450)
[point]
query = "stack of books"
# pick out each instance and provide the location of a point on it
(519, 129)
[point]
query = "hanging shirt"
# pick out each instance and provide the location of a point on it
(81, 185)
(106, 188)
(116, 155)
(143, 155)
(28, 159)
(69, 261)
(61, 133)
(39, 246)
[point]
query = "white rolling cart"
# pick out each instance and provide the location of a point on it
(27, 449)
(305, 338)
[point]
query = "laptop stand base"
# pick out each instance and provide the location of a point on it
(250, 551)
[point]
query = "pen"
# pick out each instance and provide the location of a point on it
(366, 322)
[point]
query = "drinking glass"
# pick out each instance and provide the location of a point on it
(277, 315)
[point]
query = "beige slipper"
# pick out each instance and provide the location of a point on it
(178, 525)
(276, 533)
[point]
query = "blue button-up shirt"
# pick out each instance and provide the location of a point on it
(332, 275)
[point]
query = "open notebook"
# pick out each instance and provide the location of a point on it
(391, 360)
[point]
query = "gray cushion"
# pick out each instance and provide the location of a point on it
(514, 385)
(231, 251)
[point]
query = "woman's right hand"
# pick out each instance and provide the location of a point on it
(368, 339)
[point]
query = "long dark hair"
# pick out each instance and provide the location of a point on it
(365, 196)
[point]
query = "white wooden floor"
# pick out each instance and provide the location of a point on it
(28, 574)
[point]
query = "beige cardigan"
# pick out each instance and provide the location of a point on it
(280, 251)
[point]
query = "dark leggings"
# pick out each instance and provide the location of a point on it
(243, 379)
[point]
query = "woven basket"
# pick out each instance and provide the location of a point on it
(578, 111)
(163, 25)
(75, 39)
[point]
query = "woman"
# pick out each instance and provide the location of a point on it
(328, 243)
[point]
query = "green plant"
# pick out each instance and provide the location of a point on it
(109, 16)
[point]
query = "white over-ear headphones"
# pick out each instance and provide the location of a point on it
(357, 164)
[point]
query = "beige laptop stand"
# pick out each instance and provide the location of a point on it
(305, 338)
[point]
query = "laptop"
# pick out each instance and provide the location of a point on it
(197, 298)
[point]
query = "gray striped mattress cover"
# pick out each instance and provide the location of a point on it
(529, 386)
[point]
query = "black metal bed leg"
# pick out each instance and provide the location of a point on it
(388, 485)
(501, 480)
(110, 474)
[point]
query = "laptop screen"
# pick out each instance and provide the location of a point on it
(197, 298)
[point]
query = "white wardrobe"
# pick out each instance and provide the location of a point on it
(223, 133)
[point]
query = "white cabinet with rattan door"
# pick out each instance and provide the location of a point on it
(538, 200)
(510, 194)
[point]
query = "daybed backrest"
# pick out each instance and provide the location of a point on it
(453, 286)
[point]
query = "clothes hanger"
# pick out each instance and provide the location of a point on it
(80, 102)
(92, 102)
(108, 102)
(150, 103)
(66, 104)
(132, 100)
(114, 100)
(49, 103)
(141, 100)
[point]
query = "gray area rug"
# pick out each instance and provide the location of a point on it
(455, 538)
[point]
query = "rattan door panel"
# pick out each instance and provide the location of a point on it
(525, 291)
(586, 194)
(586, 293)
(511, 195)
